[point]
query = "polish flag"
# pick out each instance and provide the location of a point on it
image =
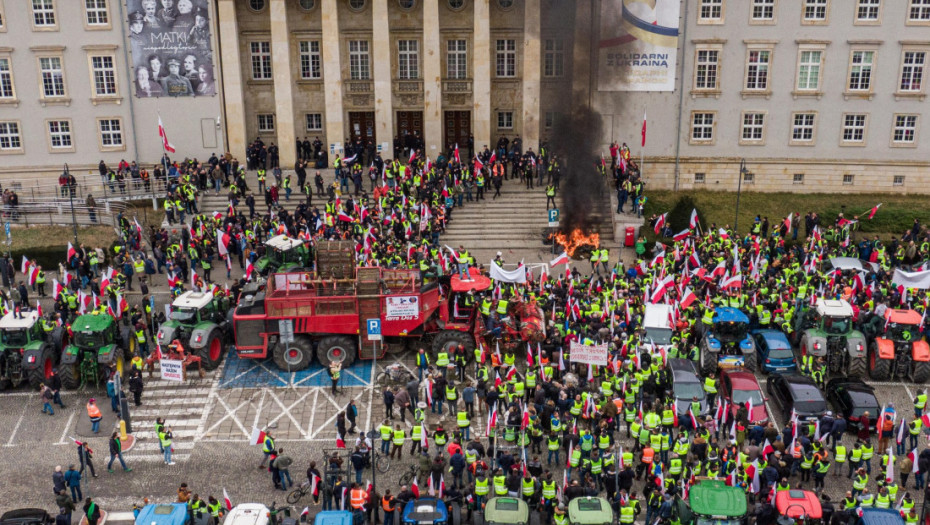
(694, 423)
(429, 392)
(345, 217)
(687, 297)
(33, 274)
(732, 282)
(222, 242)
(492, 421)
(660, 222)
(413, 156)
(643, 144)
(900, 437)
(693, 222)
(415, 488)
(872, 214)
(442, 485)
(455, 154)
(226, 501)
(249, 270)
(25, 266)
(424, 443)
(71, 251)
(57, 288)
(682, 235)
(478, 164)
(340, 442)
(304, 513)
(912, 455)
(493, 157)
(315, 485)
(257, 437)
(164, 137)
(561, 259)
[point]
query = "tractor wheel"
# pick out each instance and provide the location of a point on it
(750, 362)
(43, 371)
(211, 355)
(336, 349)
(294, 356)
(450, 339)
(857, 367)
(879, 369)
(921, 372)
(70, 376)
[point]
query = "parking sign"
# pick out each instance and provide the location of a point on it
(374, 329)
(553, 217)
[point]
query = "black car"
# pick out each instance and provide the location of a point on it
(851, 398)
(798, 393)
(27, 517)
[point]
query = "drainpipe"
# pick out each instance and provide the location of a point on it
(681, 95)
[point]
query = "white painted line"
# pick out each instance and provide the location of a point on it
(230, 413)
(333, 418)
(286, 411)
(210, 397)
(258, 411)
(16, 428)
(316, 396)
(64, 433)
(309, 377)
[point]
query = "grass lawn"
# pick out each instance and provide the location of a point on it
(896, 215)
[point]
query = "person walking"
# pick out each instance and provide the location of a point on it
(58, 480)
(352, 415)
(85, 457)
(165, 438)
(136, 386)
(91, 511)
(116, 451)
(73, 479)
(388, 397)
(267, 449)
(54, 384)
(45, 394)
(93, 412)
(283, 463)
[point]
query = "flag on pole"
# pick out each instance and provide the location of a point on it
(164, 140)
(643, 144)
(874, 210)
(226, 501)
(561, 259)
(71, 252)
(660, 222)
(415, 487)
(257, 437)
(693, 222)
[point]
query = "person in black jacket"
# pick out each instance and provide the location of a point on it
(54, 383)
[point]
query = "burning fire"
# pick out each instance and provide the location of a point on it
(576, 239)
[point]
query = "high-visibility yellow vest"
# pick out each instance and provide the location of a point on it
(481, 487)
(399, 437)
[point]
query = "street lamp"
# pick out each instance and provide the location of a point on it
(739, 188)
(67, 175)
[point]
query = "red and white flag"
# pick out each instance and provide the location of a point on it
(874, 210)
(164, 137)
(71, 252)
(24, 267)
(687, 297)
(660, 222)
(257, 437)
(222, 242)
(304, 513)
(226, 501)
(682, 235)
(455, 154)
(561, 259)
(643, 144)
(415, 487)
(693, 222)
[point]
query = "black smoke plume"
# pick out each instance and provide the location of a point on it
(575, 139)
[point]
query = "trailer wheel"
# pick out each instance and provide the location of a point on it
(336, 349)
(450, 339)
(294, 356)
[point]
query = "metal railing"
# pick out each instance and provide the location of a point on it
(38, 191)
(52, 213)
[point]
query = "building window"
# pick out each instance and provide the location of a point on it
(749, 178)
(848, 179)
(310, 60)
(860, 70)
(9, 136)
(919, 11)
(711, 10)
(456, 59)
(43, 13)
(699, 178)
(59, 132)
(314, 121)
(261, 60)
(505, 120)
(307, 5)
(868, 10)
(408, 59)
(702, 127)
(803, 128)
(912, 70)
(905, 129)
(357, 5)
(753, 125)
(256, 5)
(809, 70)
(815, 10)
(53, 77)
(359, 60)
(763, 10)
(705, 74)
(549, 120)
(554, 64)
(798, 178)
(506, 58)
(757, 70)
(104, 73)
(6, 79)
(111, 133)
(898, 180)
(96, 12)
(266, 123)
(854, 128)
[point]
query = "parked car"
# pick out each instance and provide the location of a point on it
(740, 386)
(506, 511)
(775, 354)
(798, 393)
(426, 511)
(26, 517)
(852, 397)
(686, 385)
(590, 511)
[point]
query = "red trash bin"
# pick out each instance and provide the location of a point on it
(630, 237)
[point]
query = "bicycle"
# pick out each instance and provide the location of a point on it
(382, 462)
(407, 477)
(302, 490)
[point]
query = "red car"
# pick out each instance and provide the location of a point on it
(738, 387)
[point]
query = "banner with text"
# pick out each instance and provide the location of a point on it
(171, 48)
(172, 369)
(591, 355)
(403, 307)
(638, 45)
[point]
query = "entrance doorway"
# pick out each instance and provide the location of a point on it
(410, 122)
(362, 126)
(456, 128)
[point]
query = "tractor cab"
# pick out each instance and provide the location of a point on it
(27, 351)
(283, 253)
(19, 332)
(798, 507)
(199, 322)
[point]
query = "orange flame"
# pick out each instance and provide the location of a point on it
(576, 239)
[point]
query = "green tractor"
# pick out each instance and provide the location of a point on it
(99, 345)
(284, 254)
(202, 323)
(27, 351)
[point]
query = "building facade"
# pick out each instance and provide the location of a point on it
(71, 89)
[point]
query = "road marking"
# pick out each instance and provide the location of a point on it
(16, 428)
(230, 414)
(316, 396)
(333, 418)
(371, 397)
(258, 411)
(64, 433)
(210, 397)
(286, 411)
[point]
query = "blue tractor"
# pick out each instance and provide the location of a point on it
(727, 343)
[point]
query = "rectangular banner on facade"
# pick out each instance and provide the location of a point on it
(591, 355)
(172, 369)
(403, 307)
(638, 45)
(170, 45)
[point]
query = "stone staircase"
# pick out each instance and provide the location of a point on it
(515, 224)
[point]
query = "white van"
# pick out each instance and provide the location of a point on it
(248, 514)
(658, 325)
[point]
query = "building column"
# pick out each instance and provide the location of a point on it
(232, 78)
(481, 83)
(432, 80)
(283, 83)
(381, 62)
(332, 74)
(581, 57)
(531, 75)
